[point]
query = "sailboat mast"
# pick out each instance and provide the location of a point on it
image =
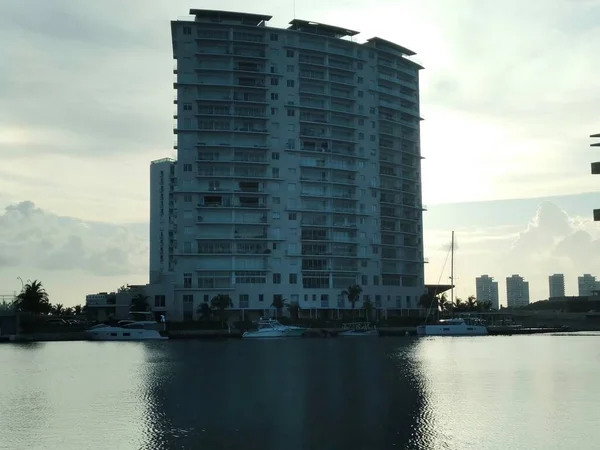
(452, 273)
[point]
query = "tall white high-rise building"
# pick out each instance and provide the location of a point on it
(487, 290)
(556, 285)
(586, 285)
(517, 291)
(298, 165)
(162, 218)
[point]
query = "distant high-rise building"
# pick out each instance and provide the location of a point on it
(487, 290)
(586, 285)
(162, 218)
(556, 285)
(298, 166)
(596, 171)
(517, 291)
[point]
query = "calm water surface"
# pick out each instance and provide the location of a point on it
(519, 392)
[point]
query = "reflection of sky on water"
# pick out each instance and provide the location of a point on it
(515, 392)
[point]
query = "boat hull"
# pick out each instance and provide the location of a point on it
(123, 334)
(359, 333)
(456, 330)
(269, 334)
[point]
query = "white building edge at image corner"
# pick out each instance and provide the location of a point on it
(297, 172)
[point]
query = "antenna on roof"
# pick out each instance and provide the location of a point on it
(294, 9)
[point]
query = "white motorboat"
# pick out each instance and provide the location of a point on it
(127, 330)
(454, 327)
(358, 329)
(271, 328)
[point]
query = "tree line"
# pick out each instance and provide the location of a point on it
(34, 299)
(441, 303)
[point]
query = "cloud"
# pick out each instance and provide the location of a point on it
(550, 242)
(32, 237)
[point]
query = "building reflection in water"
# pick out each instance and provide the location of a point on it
(272, 394)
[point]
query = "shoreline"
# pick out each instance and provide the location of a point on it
(62, 336)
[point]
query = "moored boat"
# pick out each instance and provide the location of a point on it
(358, 329)
(454, 327)
(127, 330)
(271, 328)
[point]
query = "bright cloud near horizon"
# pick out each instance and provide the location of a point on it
(509, 95)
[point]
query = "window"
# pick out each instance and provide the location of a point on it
(276, 200)
(372, 138)
(375, 280)
(363, 280)
(292, 216)
(291, 187)
(360, 94)
(188, 298)
(274, 37)
(290, 68)
(291, 143)
(361, 136)
(360, 80)
(187, 167)
(187, 106)
(275, 172)
(187, 281)
(290, 53)
(274, 81)
(276, 216)
(159, 301)
(361, 122)
(273, 111)
(371, 110)
(244, 300)
(276, 278)
(187, 198)
(359, 65)
(275, 155)
(290, 83)
(187, 30)
(291, 112)
(274, 96)
(293, 278)
(291, 127)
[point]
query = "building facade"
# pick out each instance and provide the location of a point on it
(162, 218)
(556, 285)
(517, 291)
(487, 290)
(298, 165)
(596, 171)
(586, 285)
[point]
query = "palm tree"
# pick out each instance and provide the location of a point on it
(278, 304)
(353, 295)
(484, 306)
(77, 309)
(68, 311)
(139, 303)
(459, 305)
(471, 303)
(57, 309)
(294, 310)
(204, 310)
(34, 299)
(221, 302)
(444, 303)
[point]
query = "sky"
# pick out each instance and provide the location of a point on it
(509, 95)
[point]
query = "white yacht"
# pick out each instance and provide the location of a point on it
(127, 330)
(271, 328)
(454, 327)
(358, 329)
